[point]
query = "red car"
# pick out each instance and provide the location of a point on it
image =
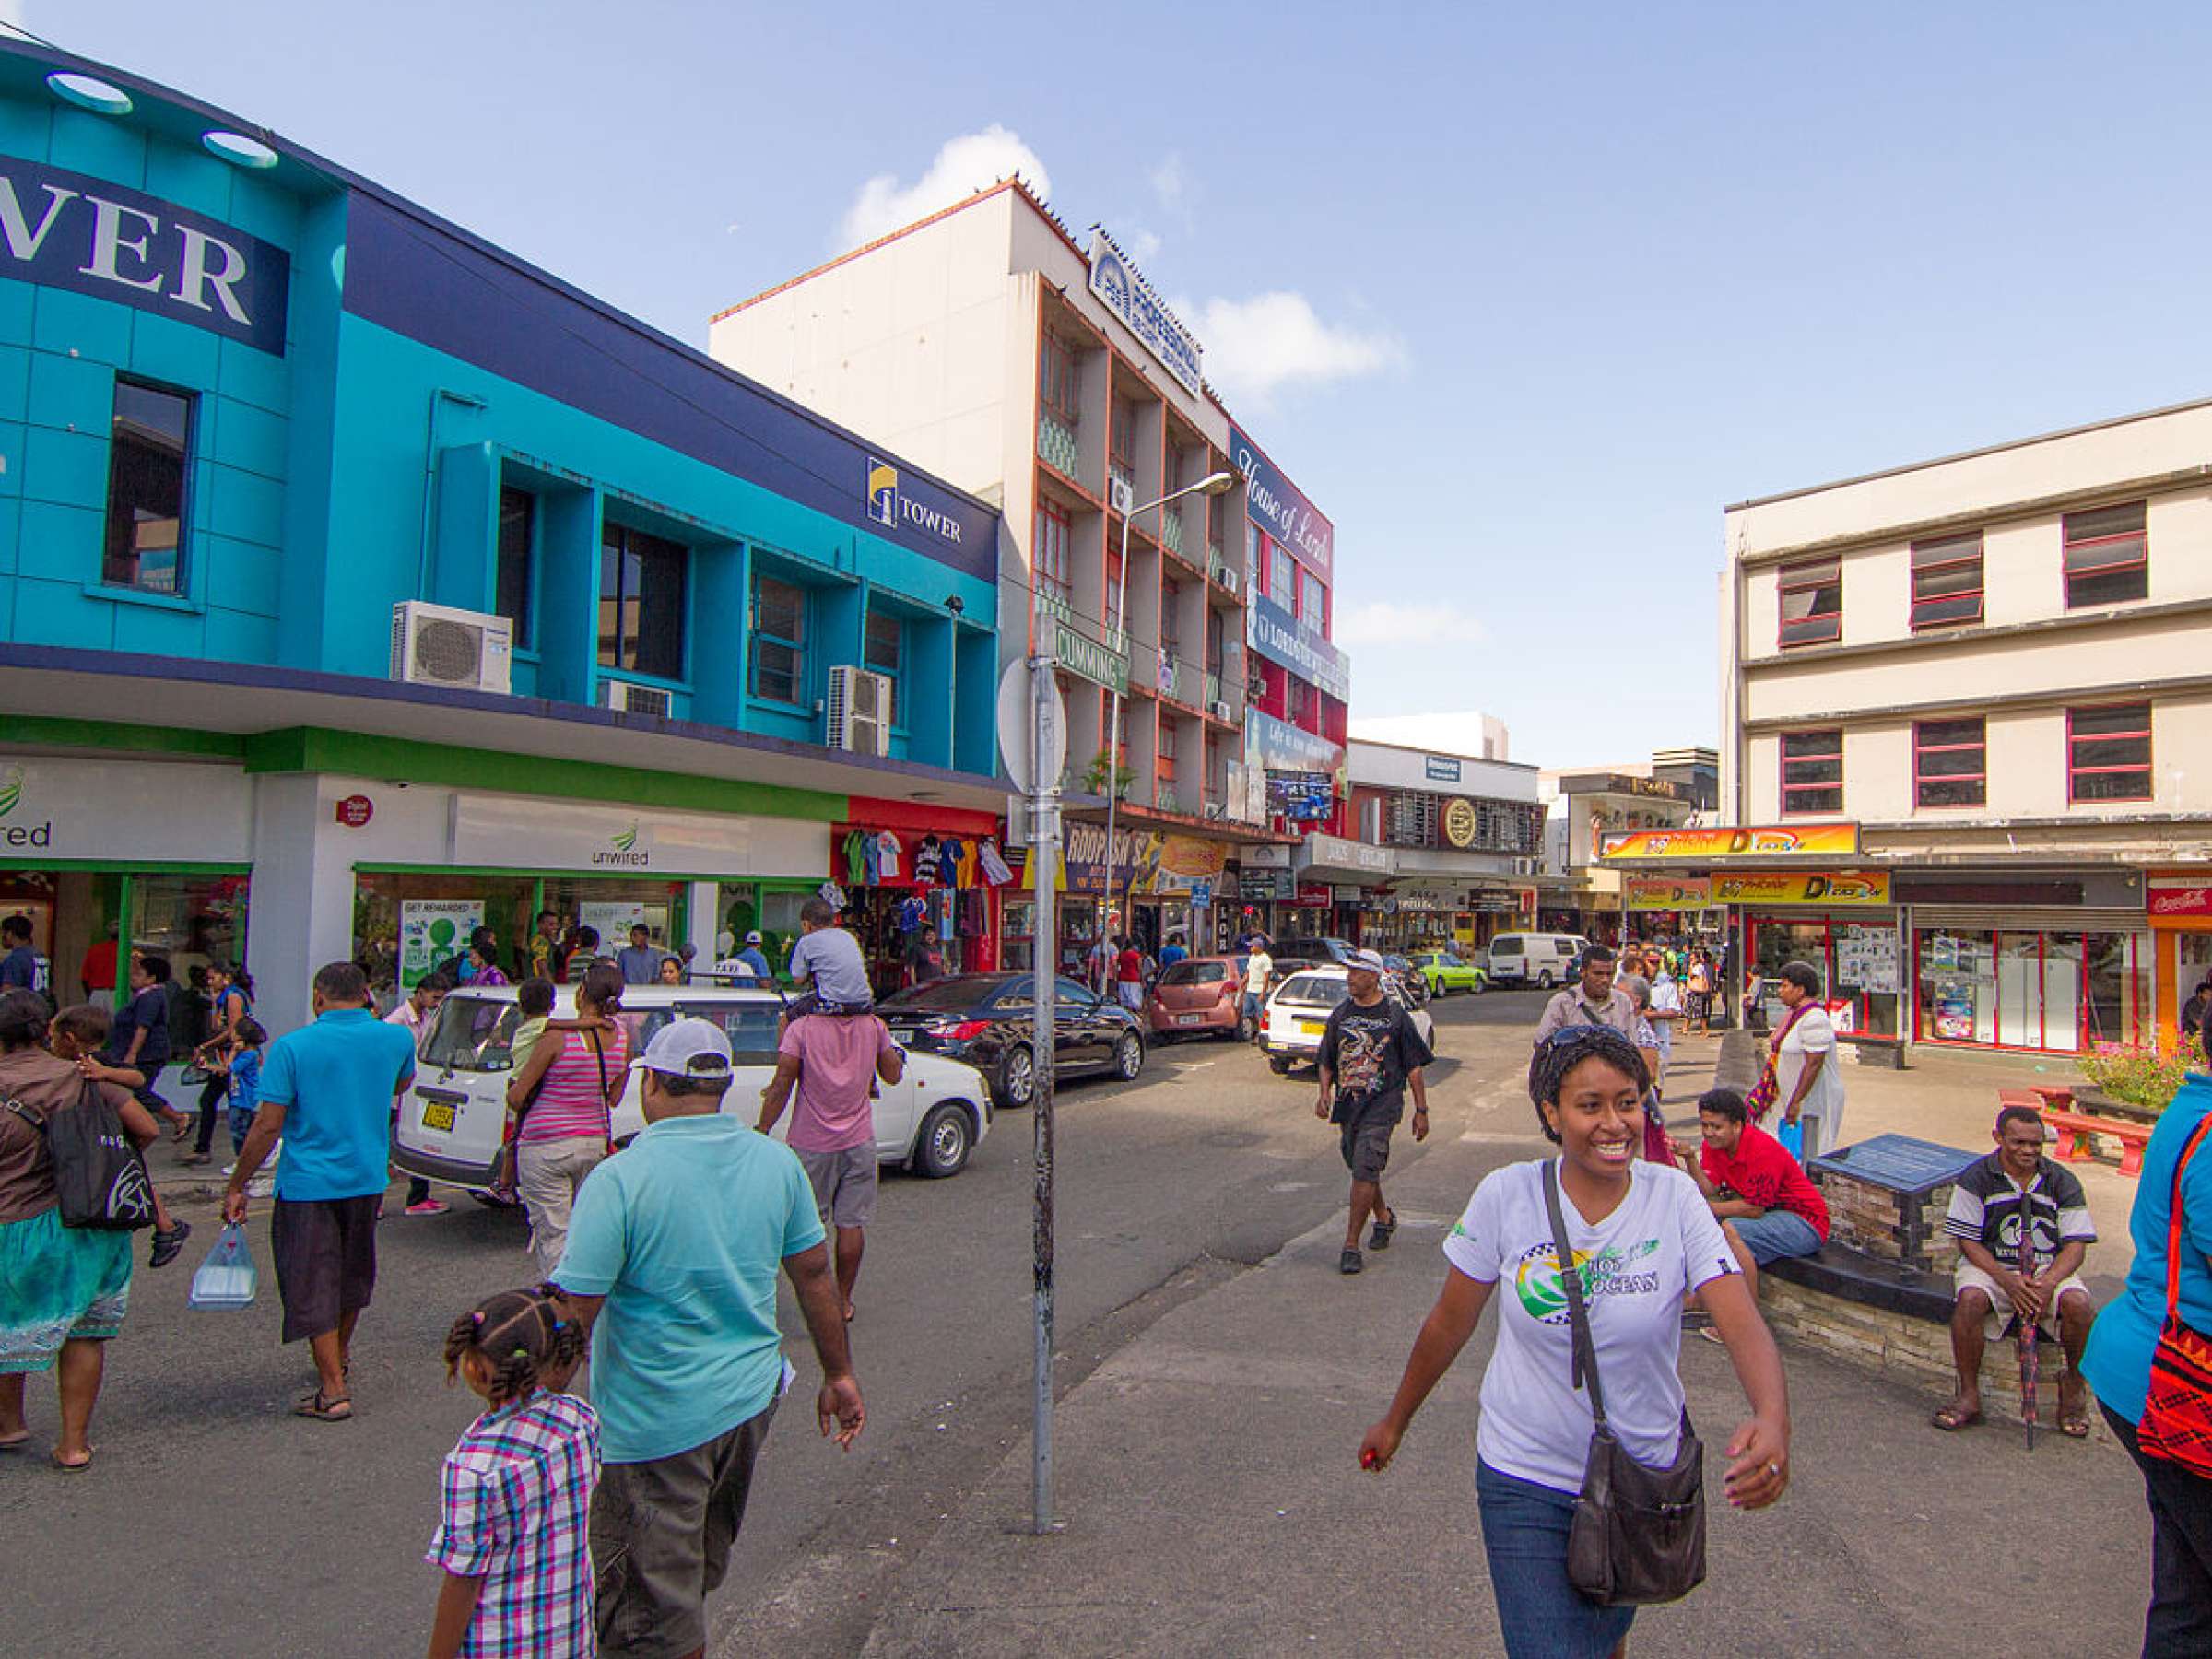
(1199, 996)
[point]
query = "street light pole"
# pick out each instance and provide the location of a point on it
(1044, 870)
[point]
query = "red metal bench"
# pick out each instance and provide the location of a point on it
(2076, 1127)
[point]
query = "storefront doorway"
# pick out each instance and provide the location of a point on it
(1856, 953)
(192, 914)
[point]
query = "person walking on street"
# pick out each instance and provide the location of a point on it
(1099, 964)
(671, 1267)
(1259, 970)
(1699, 1004)
(835, 1061)
(1129, 975)
(139, 1039)
(1593, 999)
(232, 991)
(1808, 1087)
(326, 1089)
(1369, 1056)
(1534, 1433)
(414, 1016)
(2170, 1280)
(565, 1096)
(754, 958)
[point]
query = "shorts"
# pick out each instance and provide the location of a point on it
(1540, 1613)
(1364, 1138)
(1252, 1005)
(844, 1184)
(661, 1533)
(1969, 1276)
(1776, 1234)
(326, 1256)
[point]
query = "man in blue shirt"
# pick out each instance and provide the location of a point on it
(639, 962)
(19, 966)
(326, 1091)
(753, 957)
(671, 1263)
(1173, 951)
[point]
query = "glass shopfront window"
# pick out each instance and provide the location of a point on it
(408, 923)
(1857, 956)
(190, 917)
(2014, 988)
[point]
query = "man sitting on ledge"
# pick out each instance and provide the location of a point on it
(1765, 1205)
(2015, 1185)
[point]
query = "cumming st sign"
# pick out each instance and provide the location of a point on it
(68, 231)
(1114, 280)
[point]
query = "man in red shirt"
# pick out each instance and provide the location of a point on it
(1130, 973)
(1765, 1203)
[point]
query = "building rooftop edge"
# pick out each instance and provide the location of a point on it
(1441, 754)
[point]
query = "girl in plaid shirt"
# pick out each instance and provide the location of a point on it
(516, 1493)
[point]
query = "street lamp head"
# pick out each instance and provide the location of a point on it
(1219, 483)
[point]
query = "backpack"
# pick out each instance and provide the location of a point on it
(98, 1173)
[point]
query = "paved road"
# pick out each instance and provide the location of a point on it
(217, 1522)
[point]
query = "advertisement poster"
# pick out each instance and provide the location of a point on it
(1751, 841)
(1866, 957)
(431, 930)
(614, 922)
(1669, 893)
(1832, 888)
(1955, 1011)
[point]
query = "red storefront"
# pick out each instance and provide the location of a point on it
(920, 893)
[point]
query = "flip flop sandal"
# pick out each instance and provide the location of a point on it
(69, 1468)
(1379, 1238)
(323, 1410)
(17, 1444)
(1348, 1262)
(1950, 1419)
(167, 1245)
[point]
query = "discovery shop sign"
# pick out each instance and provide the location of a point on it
(67, 230)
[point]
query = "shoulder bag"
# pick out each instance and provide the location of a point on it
(1639, 1534)
(1764, 1093)
(98, 1174)
(2177, 1413)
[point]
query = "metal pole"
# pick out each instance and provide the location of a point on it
(1044, 869)
(1113, 716)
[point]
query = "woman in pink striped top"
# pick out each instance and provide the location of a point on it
(564, 1098)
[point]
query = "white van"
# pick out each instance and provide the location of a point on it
(449, 1123)
(1535, 959)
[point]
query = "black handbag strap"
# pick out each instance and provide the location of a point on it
(1584, 1374)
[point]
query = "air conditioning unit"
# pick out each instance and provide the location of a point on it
(1256, 686)
(628, 698)
(1214, 809)
(1222, 714)
(860, 709)
(437, 646)
(1229, 577)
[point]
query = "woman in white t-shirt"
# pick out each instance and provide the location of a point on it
(1808, 1087)
(1644, 1239)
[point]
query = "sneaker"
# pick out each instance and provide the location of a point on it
(229, 1168)
(262, 1186)
(1378, 1237)
(1349, 1262)
(167, 1245)
(428, 1206)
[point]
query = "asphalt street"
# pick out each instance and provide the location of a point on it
(216, 1522)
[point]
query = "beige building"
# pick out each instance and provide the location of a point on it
(1980, 684)
(1041, 373)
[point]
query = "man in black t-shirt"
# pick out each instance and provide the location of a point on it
(1370, 1056)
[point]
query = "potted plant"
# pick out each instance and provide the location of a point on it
(1095, 779)
(2134, 1074)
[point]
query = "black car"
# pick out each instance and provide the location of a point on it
(984, 1019)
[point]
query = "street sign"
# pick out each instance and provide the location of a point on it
(1017, 729)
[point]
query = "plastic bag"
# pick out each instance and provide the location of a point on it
(1792, 1136)
(228, 1278)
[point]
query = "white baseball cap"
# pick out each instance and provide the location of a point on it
(1369, 959)
(753, 937)
(689, 1048)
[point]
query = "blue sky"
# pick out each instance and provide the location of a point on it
(1520, 296)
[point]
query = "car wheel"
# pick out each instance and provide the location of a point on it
(1017, 1083)
(942, 1147)
(1544, 979)
(1279, 1065)
(1128, 1057)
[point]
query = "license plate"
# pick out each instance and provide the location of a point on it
(437, 1114)
(1306, 1028)
(1181, 1020)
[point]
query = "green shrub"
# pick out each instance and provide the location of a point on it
(2143, 1076)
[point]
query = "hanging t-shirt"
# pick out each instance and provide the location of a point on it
(913, 913)
(871, 859)
(1636, 1264)
(925, 861)
(856, 866)
(948, 863)
(995, 869)
(888, 851)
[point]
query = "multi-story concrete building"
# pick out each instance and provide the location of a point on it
(1041, 373)
(360, 583)
(1463, 837)
(1967, 747)
(1581, 894)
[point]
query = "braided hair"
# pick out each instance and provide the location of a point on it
(523, 1336)
(1568, 1048)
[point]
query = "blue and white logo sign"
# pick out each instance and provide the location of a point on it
(888, 505)
(1440, 769)
(1114, 280)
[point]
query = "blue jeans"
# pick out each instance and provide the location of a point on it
(1776, 1234)
(1252, 1005)
(1540, 1614)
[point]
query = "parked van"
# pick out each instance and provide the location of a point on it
(452, 1119)
(1535, 959)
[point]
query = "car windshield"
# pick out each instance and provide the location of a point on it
(943, 997)
(1195, 973)
(1314, 990)
(473, 1033)
(1505, 947)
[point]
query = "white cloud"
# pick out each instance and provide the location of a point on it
(1386, 623)
(1142, 245)
(1171, 187)
(1259, 346)
(962, 167)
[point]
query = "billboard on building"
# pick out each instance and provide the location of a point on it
(1756, 840)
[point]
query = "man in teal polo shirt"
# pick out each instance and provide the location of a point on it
(671, 1263)
(326, 1091)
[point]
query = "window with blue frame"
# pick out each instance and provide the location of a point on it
(779, 640)
(518, 549)
(641, 603)
(149, 457)
(886, 643)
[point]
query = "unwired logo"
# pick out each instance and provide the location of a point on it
(622, 849)
(11, 797)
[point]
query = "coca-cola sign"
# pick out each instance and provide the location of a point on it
(2176, 898)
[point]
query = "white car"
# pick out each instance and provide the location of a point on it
(451, 1118)
(1299, 1012)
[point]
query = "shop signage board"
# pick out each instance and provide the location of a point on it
(1334, 851)
(1458, 822)
(353, 811)
(2181, 897)
(1312, 896)
(1087, 659)
(1129, 297)
(1440, 769)
(1279, 637)
(507, 833)
(1280, 508)
(1668, 892)
(434, 930)
(1275, 857)
(1654, 789)
(1831, 888)
(1145, 861)
(1756, 840)
(98, 810)
(1202, 894)
(1259, 886)
(1284, 747)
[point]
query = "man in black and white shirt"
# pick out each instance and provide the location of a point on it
(1371, 1055)
(2017, 1187)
